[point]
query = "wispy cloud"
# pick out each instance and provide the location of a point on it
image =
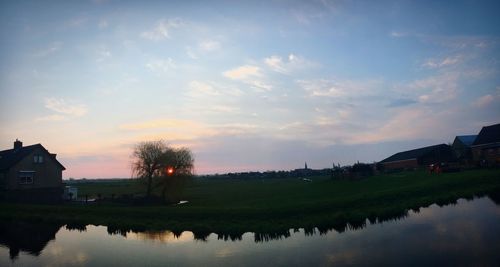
(161, 30)
(397, 34)
(250, 75)
(436, 89)
(209, 45)
(200, 89)
(63, 107)
(338, 88)
(289, 64)
(159, 123)
(103, 24)
(53, 117)
(483, 101)
(103, 54)
(190, 53)
(161, 65)
(52, 48)
(243, 72)
(433, 63)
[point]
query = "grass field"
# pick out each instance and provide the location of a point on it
(238, 206)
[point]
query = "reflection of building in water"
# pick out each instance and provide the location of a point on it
(26, 237)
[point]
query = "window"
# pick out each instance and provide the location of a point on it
(38, 159)
(26, 177)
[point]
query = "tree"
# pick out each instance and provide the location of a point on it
(155, 160)
(147, 161)
(178, 165)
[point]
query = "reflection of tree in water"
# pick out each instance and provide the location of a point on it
(33, 238)
(27, 237)
(76, 227)
(495, 197)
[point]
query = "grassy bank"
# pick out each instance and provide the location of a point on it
(237, 206)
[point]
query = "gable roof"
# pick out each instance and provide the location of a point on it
(414, 153)
(487, 135)
(10, 157)
(467, 140)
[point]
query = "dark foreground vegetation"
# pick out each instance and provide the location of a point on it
(265, 206)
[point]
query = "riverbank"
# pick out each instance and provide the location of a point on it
(232, 207)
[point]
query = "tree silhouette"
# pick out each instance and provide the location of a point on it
(157, 160)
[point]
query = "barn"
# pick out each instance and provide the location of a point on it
(420, 157)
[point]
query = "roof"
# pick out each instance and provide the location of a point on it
(10, 157)
(487, 135)
(467, 140)
(413, 154)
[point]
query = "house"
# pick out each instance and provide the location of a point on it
(486, 147)
(462, 147)
(419, 157)
(30, 173)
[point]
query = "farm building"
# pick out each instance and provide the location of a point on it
(462, 147)
(30, 173)
(419, 157)
(486, 147)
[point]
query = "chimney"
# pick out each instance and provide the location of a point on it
(18, 144)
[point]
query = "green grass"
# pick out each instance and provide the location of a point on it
(237, 206)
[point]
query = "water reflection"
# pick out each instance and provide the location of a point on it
(27, 237)
(444, 234)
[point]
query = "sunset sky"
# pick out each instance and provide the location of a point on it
(246, 85)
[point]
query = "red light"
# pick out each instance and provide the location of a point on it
(170, 170)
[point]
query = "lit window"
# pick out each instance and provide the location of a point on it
(26, 177)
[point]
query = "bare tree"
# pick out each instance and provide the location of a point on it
(147, 161)
(170, 166)
(178, 168)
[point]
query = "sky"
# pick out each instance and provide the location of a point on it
(246, 85)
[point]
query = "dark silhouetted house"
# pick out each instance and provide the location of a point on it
(30, 173)
(486, 147)
(419, 157)
(462, 147)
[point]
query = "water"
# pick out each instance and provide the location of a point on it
(465, 234)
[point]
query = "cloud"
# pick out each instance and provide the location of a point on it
(200, 89)
(161, 65)
(103, 54)
(77, 22)
(61, 106)
(435, 89)
(54, 117)
(209, 45)
(483, 101)
(103, 24)
(412, 123)
(224, 109)
(159, 123)
(321, 87)
(396, 34)
(52, 48)
(285, 66)
(243, 72)
(161, 31)
(276, 63)
(338, 88)
(439, 63)
(190, 53)
(250, 75)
